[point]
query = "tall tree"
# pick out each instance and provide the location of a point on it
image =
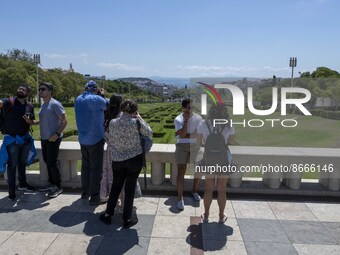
(21, 55)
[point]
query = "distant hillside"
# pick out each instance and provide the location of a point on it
(162, 89)
(157, 81)
(140, 82)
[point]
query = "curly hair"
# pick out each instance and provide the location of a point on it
(129, 106)
(113, 110)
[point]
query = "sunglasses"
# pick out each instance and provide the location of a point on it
(42, 89)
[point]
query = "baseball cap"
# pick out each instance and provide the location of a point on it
(91, 85)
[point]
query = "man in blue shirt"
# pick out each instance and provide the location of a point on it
(89, 108)
(19, 114)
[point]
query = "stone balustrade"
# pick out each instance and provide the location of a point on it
(245, 157)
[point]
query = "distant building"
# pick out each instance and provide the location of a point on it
(94, 77)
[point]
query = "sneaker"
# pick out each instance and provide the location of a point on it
(48, 187)
(180, 205)
(85, 195)
(56, 191)
(130, 223)
(196, 196)
(105, 218)
(12, 197)
(27, 187)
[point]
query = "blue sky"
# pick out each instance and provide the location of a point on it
(175, 38)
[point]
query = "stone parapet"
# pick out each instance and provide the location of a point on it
(326, 161)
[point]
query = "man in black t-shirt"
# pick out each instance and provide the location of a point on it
(18, 116)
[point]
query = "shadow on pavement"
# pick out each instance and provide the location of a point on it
(209, 236)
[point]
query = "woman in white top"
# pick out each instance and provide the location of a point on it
(216, 112)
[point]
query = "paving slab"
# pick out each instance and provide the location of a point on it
(29, 243)
(4, 235)
(146, 205)
(171, 227)
(74, 244)
(292, 211)
(46, 222)
(253, 210)
(334, 229)
(262, 230)
(307, 232)
(325, 211)
(12, 220)
(272, 248)
(169, 246)
(310, 249)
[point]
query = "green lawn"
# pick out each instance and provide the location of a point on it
(311, 131)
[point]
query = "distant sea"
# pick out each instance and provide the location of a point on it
(178, 82)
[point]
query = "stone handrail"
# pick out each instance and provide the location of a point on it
(245, 156)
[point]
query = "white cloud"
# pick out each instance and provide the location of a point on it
(54, 55)
(83, 55)
(231, 70)
(120, 66)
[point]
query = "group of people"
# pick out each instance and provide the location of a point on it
(114, 121)
(18, 149)
(106, 175)
(98, 120)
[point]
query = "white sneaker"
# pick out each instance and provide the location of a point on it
(196, 196)
(180, 205)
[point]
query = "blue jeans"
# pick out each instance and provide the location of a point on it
(92, 167)
(50, 151)
(17, 157)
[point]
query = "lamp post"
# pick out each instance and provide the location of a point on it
(292, 64)
(36, 60)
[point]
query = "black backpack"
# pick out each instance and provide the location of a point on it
(215, 148)
(3, 111)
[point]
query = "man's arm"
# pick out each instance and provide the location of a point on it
(60, 129)
(1, 104)
(182, 133)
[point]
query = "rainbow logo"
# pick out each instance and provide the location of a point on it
(211, 91)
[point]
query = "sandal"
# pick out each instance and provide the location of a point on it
(204, 218)
(223, 220)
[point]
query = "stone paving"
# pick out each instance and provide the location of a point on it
(68, 225)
